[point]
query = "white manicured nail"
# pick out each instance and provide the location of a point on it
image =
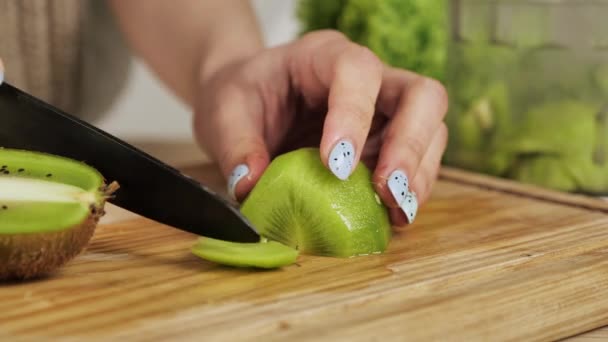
(410, 206)
(398, 184)
(341, 159)
(1, 76)
(237, 174)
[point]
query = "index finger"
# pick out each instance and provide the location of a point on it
(351, 76)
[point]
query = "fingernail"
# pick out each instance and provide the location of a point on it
(410, 206)
(341, 159)
(398, 185)
(237, 174)
(1, 76)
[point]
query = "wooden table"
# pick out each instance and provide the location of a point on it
(486, 260)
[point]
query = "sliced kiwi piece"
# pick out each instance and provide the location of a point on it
(49, 208)
(300, 204)
(267, 254)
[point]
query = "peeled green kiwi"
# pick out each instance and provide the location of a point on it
(299, 203)
(49, 208)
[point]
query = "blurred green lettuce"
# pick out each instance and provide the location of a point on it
(409, 34)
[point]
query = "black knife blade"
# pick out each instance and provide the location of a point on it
(148, 187)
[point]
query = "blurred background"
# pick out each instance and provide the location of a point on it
(147, 115)
(527, 79)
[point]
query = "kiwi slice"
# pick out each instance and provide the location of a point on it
(266, 254)
(49, 208)
(299, 204)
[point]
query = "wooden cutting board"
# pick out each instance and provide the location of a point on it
(486, 260)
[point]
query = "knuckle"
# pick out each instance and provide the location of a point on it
(415, 149)
(359, 112)
(363, 112)
(435, 89)
(225, 93)
(330, 34)
(325, 35)
(365, 57)
(230, 93)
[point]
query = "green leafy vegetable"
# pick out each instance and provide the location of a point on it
(320, 14)
(407, 34)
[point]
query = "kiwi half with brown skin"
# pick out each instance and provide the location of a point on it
(49, 208)
(298, 203)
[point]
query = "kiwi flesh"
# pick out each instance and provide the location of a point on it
(49, 208)
(300, 204)
(265, 254)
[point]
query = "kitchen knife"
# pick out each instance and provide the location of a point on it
(148, 187)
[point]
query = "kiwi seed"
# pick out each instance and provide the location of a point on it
(49, 213)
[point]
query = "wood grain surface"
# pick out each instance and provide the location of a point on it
(487, 260)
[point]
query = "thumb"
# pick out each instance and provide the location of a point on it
(233, 133)
(246, 159)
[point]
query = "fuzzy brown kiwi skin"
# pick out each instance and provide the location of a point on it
(30, 256)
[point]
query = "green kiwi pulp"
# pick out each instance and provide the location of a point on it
(300, 204)
(270, 254)
(49, 208)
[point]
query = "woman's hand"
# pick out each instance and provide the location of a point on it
(322, 90)
(325, 91)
